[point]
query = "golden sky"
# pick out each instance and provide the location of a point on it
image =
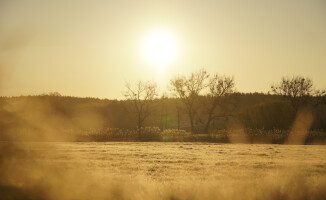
(91, 48)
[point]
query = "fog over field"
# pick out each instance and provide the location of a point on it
(32, 170)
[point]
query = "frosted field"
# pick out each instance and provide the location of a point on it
(166, 171)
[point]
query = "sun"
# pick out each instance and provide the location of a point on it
(160, 48)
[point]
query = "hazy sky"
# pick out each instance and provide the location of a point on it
(91, 48)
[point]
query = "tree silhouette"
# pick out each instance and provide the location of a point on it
(188, 90)
(219, 88)
(141, 96)
(298, 90)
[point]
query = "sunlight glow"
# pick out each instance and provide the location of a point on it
(160, 47)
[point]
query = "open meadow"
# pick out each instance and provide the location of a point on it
(156, 170)
(162, 100)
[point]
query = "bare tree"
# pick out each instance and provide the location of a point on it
(188, 90)
(219, 87)
(141, 96)
(298, 90)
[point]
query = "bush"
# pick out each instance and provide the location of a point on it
(108, 134)
(154, 134)
(174, 135)
(151, 134)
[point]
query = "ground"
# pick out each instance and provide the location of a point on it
(170, 170)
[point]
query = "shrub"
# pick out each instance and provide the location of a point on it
(151, 134)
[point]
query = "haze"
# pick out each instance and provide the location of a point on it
(91, 48)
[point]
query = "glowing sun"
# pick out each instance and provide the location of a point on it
(159, 48)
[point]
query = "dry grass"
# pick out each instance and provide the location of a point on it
(154, 134)
(161, 171)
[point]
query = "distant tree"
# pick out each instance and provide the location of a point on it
(141, 96)
(188, 90)
(298, 90)
(270, 114)
(55, 94)
(219, 88)
(164, 112)
(178, 110)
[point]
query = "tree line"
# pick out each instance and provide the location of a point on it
(197, 103)
(213, 95)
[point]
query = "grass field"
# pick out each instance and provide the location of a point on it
(162, 171)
